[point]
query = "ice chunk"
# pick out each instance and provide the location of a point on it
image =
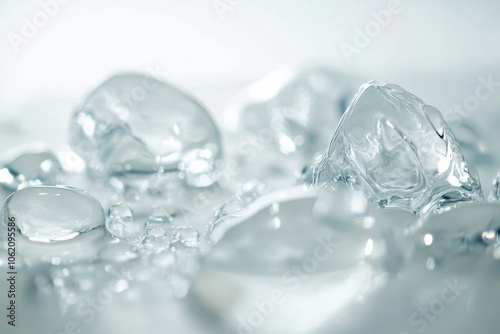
(283, 121)
(399, 151)
(133, 127)
(300, 107)
(35, 168)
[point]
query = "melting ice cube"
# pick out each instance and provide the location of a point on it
(286, 119)
(399, 151)
(133, 127)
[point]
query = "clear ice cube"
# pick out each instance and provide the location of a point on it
(134, 127)
(35, 168)
(399, 151)
(281, 123)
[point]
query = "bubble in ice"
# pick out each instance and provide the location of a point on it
(134, 126)
(34, 168)
(53, 213)
(399, 151)
(320, 259)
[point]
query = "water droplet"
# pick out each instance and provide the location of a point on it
(120, 211)
(125, 228)
(188, 235)
(53, 213)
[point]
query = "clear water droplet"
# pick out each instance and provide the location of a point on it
(53, 213)
(188, 235)
(125, 228)
(120, 211)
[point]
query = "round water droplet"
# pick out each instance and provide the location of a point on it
(125, 228)
(52, 213)
(188, 235)
(120, 211)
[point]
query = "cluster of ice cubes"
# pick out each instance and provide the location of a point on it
(336, 212)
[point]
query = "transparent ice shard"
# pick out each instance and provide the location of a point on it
(133, 127)
(399, 151)
(283, 121)
(38, 168)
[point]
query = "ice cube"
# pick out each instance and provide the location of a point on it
(399, 151)
(283, 121)
(134, 127)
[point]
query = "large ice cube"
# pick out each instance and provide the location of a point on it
(279, 124)
(399, 151)
(134, 126)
